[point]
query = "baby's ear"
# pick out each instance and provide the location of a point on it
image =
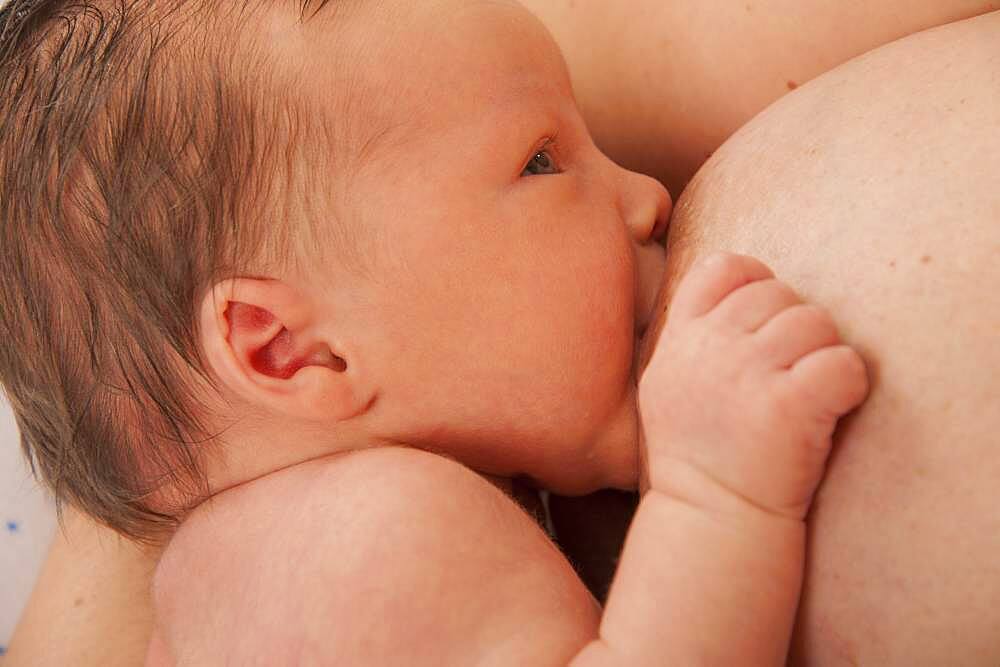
(275, 348)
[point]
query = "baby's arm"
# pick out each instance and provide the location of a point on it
(738, 405)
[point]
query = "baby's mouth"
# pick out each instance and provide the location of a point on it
(651, 267)
(651, 263)
(648, 331)
(643, 349)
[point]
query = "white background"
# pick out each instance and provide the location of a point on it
(27, 521)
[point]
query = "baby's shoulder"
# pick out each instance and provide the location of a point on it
(366, 555)
(337, 503)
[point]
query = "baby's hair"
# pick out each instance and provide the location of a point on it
(145, 153)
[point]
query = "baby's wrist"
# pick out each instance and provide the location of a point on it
(686, 483)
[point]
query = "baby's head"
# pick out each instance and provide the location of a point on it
(241, 235)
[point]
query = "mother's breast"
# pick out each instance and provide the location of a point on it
(875, 191)
(663, 84)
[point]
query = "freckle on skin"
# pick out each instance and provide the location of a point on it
(792, 85)
(926, 259)
(77, 602)
(892, 264)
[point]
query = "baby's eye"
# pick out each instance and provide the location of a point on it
(541, 164)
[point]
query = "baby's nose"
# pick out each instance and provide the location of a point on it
(645, 206)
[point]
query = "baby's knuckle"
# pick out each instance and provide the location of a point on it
(785, 290)
(854, 366)
(815, 313)
(818, 318)
(711, 331)
(726, 264)
(721, 258)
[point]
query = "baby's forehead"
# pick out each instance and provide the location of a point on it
(390, 71)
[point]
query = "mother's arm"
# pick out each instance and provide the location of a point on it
(662, 83)
(91, 606)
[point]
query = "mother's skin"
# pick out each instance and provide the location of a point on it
(875, 191)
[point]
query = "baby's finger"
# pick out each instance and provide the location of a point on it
(795, 332)
(751, 306)
(836, 375)
(711, 280)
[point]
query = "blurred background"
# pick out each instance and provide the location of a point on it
(27, 522)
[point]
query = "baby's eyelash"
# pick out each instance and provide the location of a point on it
(551, 144)
(550, 149)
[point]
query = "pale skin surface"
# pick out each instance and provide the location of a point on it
(864, 477)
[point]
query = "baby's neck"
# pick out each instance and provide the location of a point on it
(254, 449)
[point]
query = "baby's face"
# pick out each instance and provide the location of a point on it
(513, 264)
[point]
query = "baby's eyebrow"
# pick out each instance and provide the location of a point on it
(306, 5)
(317, 6)
(380, 119)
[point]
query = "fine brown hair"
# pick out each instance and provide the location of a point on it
(139, 155)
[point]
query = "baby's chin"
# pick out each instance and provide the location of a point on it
(616, 450)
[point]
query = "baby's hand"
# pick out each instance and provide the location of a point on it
(742, 393)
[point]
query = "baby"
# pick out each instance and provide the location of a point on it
(269, 258)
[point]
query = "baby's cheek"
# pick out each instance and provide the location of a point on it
(611, 340)
(591, 317)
